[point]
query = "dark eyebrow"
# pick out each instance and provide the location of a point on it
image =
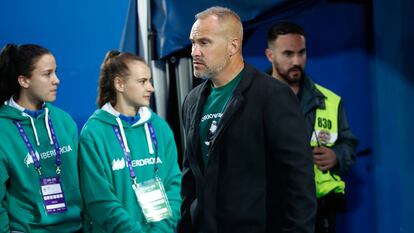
(144, 78)
(287, 51)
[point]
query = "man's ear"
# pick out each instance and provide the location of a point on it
(234, 46)
(269, 54)
(119, 84)
(23, 81)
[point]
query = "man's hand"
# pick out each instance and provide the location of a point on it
(324, 158)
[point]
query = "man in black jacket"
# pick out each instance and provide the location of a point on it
(246, 167)
(328, 131)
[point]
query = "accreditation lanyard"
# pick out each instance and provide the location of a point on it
(51, 187)
(32, 152)
(127, 154)
(150, 194)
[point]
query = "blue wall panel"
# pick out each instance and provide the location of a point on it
(77, 32)
(393, 95)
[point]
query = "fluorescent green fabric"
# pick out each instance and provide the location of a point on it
(325, 134)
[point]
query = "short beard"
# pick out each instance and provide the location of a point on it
(206, 75)
(292, 80)
(209, 73)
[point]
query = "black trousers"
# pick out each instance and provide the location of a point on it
(328, 206)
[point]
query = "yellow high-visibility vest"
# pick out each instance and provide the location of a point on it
(326, 133)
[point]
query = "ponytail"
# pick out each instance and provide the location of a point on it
(8, 85)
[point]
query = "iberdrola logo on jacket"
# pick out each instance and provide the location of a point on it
(120, 163)
(46, 154)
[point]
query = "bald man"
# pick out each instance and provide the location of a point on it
(246, 166)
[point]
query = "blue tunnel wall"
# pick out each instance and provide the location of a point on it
(393, 107)
(77, 32)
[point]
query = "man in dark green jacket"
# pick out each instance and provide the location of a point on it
(333, 145)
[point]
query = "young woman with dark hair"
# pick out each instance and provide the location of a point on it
(39, 187)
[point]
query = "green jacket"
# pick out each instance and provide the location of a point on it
(21, 206)
(105, 180)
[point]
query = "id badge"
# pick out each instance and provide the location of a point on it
(153, 200)
(52, 195)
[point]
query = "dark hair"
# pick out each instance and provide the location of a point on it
(114, 65)
(17, 60)
(283, 28)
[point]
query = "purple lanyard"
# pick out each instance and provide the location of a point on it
(154, 140)
(32, 152)
(127, 155)
(56, 144)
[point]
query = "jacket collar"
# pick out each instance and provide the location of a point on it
(245, 82)
(234, 104)
(311, 97)
(194, 130)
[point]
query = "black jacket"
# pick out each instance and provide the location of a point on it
(259, 177)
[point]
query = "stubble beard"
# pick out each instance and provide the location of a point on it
(289, 78)
(209, 73)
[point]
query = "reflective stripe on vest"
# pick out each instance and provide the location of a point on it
(326, 132)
